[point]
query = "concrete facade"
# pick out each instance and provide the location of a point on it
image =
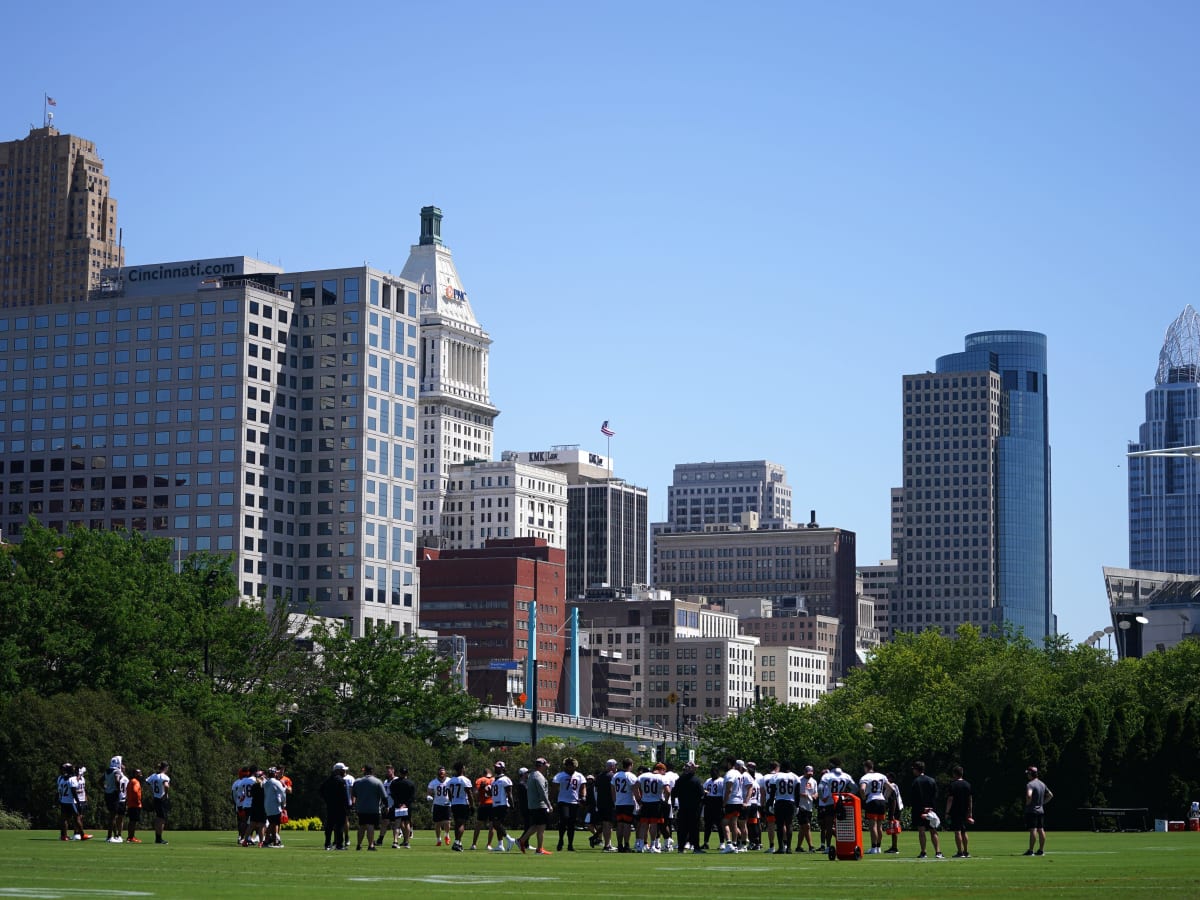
(486, 500)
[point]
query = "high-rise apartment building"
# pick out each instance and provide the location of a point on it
(457, 415)
(58, 224)
(976, 503)
(606, 520)
(1164, 490)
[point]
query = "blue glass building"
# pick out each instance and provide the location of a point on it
(976, 536)
(1164, 491)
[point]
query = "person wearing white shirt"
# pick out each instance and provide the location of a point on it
(651, 792)
(160, 793)
(439, 793)
(569, 787)
(785, 785)
(734, 821)
(873, 790)
(806, 797)
(624, 803)
(460, 803)
(502, 798)
(714, 804)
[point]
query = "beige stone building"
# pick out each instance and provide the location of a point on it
(58, 224)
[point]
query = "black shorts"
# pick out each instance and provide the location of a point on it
(605, 814)
(826, 813)
(1035, 820)
(499, 814)
(804, 816)
(133, 816)
(539, 816)
(958, 824)
(734, 811)
(624, 814)
(276, 819)
(441, 813)
(162, 807)
(876, 809)
(460, 813)
(67, 810)
(112, 802)
(785, 811)
(364, 818)
(652, 813)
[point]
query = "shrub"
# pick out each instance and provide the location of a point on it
(11, 821)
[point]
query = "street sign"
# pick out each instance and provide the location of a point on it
(504, 664)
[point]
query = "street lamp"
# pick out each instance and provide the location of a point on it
(679, 704)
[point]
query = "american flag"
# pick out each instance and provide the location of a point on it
(50, 101)
(605, 430)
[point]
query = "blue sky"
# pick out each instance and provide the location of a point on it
(728, 229)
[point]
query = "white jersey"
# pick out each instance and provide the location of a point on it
(570, 784)
(749, 789)
(441, 792)
(652, 788)
(160, 784)
(715, 787)
(241, 792)
(122, 786)
(460, 790)
(760, 789)
(896, 793)
(623, 783)
(349, 780)
(80, 789)
(669, 779)
(806, 792)
(873, 785)
(735, 788)
(787, 784)
(66, 790)
(501, 788)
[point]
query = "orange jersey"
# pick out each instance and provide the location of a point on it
(133, 794)
(483, 790)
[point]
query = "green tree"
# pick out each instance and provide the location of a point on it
(384, 681)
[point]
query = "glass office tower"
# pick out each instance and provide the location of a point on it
(976, 502)
(1164, 491)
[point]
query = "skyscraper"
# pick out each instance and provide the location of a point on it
(457, 415)
(976, 498)
(1164, 491)
(58, 224)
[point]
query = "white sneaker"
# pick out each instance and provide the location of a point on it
(728, 848)
(654, 849)
(117, 839)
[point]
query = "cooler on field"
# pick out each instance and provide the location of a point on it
(847, 828)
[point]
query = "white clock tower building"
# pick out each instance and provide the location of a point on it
(456, 413)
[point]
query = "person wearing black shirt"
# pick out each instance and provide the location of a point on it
(689, 793)
(337, 806)
(924, 799)
(960, 810)
(404, 795)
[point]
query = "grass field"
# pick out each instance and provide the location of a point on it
(35, 864)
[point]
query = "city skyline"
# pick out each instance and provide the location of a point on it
(882, 181)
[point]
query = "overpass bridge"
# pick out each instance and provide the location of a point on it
(513, 725)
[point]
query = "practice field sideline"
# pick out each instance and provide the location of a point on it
(36, 864)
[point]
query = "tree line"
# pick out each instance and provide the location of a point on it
(110, 644)
(1102, 732)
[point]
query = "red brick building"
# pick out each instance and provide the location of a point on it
(484, 595)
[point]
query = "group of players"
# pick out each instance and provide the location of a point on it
(622, 809)
(122, 801)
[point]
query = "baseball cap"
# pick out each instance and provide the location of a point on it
(610, 763)
(808, 769)
(690, 764)
(499, 764)
(1032, 770)
(272, 771)
(540, 762)
(522, 771)
(739, 764)
(115, 762)
(339, 767)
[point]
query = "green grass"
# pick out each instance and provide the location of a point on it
(208, 864)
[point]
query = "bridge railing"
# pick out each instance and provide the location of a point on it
(586, 723)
